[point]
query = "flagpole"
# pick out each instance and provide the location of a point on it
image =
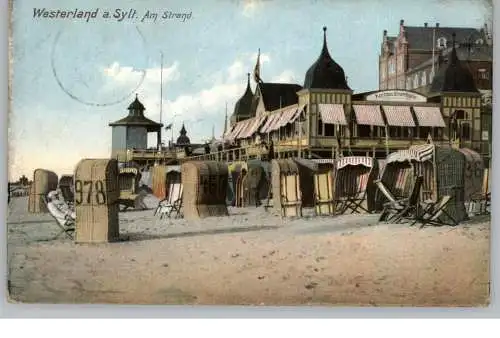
(161, 92)
(433, 47)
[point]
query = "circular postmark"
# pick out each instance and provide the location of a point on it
(99, 66)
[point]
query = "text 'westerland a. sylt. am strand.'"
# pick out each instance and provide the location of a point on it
(117, 14)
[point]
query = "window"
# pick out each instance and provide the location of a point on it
(408, 83)
(437, 134)
(424, 132)
(465, 131)
(415, 81)
(441, 43)
(395, 132)
(364, 131)
(424, 79)
(320, 127)
(329, 129)
(431, 76)
(483, 74)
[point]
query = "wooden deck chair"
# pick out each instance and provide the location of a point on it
(324, 201)
(291, 199)
(412, 206)
(433, 211)
(392, 204)
(65, 220)
(172, 203)
(397, 209)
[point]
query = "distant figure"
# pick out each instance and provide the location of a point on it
(8, 193)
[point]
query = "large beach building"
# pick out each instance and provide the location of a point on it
(323, 118)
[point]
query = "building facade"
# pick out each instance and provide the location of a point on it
(326, 119)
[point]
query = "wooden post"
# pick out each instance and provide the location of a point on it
(96, 195)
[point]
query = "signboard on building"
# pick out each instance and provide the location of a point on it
(396, 95)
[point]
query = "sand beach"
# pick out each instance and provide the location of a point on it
(252, 257)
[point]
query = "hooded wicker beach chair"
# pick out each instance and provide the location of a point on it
(291, 199)
(354, 190)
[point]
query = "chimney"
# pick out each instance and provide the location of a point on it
(385, 32)
(425, 24)
(401, 22)
(437, 24)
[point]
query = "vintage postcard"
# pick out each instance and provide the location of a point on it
(250, 152)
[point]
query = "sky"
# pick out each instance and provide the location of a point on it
(71, 77)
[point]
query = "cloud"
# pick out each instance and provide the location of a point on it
(287, 76)
(200, 109)
(250, 7)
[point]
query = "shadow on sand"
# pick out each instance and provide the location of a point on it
(137, 236)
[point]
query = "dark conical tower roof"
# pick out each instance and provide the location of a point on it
(136, 117)
(136, 105)
(325, 73)
(454, 77)
(244, 104)
(183, 139)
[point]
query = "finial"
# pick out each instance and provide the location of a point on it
(325, 50)
(136, 96)
(248, 77)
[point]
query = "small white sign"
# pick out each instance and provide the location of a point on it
(396, 95)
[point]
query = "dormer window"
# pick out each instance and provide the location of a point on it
(441, 43)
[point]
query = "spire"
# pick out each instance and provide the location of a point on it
(256, 71)
(325, 73)
(183, 131)
(325, 47)
(225, 121)
(248, 80)
(453, 56)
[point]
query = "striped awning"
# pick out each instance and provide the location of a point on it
(275, 122)
(287, 116)
(399, 116)
(355, 160)
(254, 126)
(368, 115)
(238, 129)
(246, 126)
(429, 117)
(332, 113)
(418, 153)
(269, 122)
(297, 113)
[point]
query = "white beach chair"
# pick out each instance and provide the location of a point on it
(172, 203)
